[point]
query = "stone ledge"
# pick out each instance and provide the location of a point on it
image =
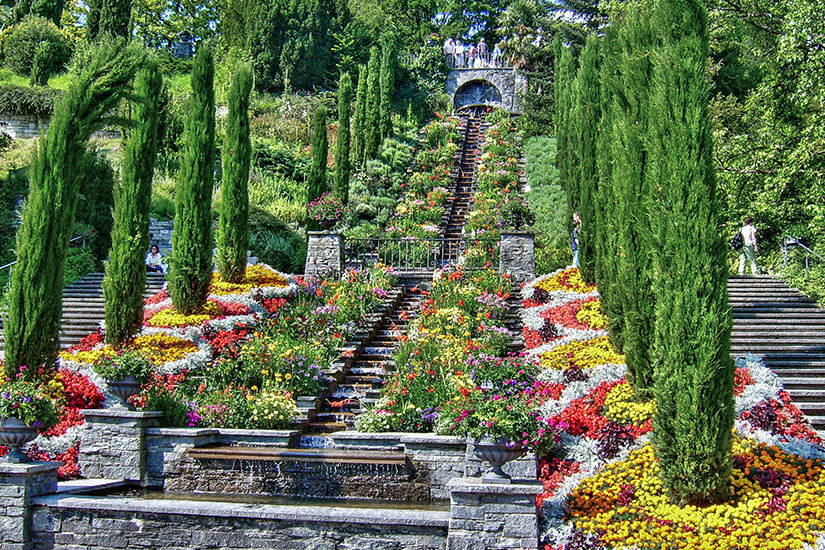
(182, 432)
(79, 486)
(255, 433)
(120, 413)
(433, 439)
(477, 486)
(9, 469)
(366, 516)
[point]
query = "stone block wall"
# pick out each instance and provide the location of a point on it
(28, 127)
(160, 233)
(114, 445)
(325, 253)
(518, 256)
(19, 484)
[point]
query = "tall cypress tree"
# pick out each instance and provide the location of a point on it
(372, 121)
(563, 87)
(588, 117)
(631, 174)
(191, 266)
(360, 115)
(606, 198)
(343, 164)
(48, 217)
(694, 371)
(233, 228)
(108, 17)
(125, 277)
(317, 181)
(387, 84)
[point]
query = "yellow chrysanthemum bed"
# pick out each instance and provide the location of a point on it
(157, 348)
(582, 353)
(778, 502)
(256, 276)
(569, 280)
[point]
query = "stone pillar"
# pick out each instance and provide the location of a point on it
(325, 254)
(518, 256)
(487, 516)
(113, 444)
(19, 484)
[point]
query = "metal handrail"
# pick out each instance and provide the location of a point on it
(73, 239)
(789, 242)
(412, 254)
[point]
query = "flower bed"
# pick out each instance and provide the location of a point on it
(602, 488)
(240, 364)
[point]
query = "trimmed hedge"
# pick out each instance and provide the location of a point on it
(22, 101)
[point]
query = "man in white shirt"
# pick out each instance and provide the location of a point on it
(449, 53)
(750, 247)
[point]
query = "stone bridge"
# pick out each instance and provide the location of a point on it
(498, 87)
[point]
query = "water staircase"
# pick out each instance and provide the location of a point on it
(83, 307)
(775, 321)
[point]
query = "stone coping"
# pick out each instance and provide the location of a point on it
(255, 433)
(28, 468)
(120, 413)
(182, 432)
(432, 439)
(326, 514)
(79, 486)
(477, 486)
(381, 436)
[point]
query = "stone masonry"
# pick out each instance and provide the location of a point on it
(325, 254)
(114, 444)
(19, 484)
(490, 516)
(518, 256)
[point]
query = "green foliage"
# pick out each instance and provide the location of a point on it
(359, 135)
(387, 86)
(694, 372)
(423, 83)
(13, 186)
(79, 263)
(125, 363)
(125, 276)
(191, 264)
(108, 18)
(586, 117)
(20, 46)
(20, 100)
(317, 182)
(372, 118)
(233, 229)
(96, 196)
(275, 244)
(44, 63)
(47, 9)
(564, 90)
(28, 403)
(343, 162)
(48, 217)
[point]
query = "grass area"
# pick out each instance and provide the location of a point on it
(58, 82)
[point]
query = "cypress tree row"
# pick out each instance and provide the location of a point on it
(48, 217)
(587, 119)
(631, 177)
(317, 181)
(563, 87)
(125, 277)
(387, 86)
(606, 199)
(233, 228)
(358, 131)
(343, 164)
(372, 120)
(191, 265)
(694, 372)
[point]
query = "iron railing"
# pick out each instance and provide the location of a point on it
(72, 240)
(411, 255)
(789, 243)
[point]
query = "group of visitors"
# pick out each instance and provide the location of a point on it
(459, 55)
(746, 243)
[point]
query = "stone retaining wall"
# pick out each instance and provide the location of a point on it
(28, 127)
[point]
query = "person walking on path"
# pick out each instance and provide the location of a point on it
(449, 53)
(750, 247)
(574, 239)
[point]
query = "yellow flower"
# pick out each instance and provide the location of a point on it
(582, 353)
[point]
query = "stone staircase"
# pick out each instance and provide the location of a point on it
(83, 307)
(361, 384)
(775, 321)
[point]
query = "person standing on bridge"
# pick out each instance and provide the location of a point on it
(483, 53)
(497, 55)
(750, 247)
(459, 54)
(449, 53)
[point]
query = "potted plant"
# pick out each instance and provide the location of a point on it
(24, 410)
(500, 425)
(124, 373)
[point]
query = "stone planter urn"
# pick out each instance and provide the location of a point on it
(497, 452)
(124, 389)
(14, 434)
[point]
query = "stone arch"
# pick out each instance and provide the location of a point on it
(477, 92)
(508, 83)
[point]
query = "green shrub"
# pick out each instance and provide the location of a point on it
(21, 44)
(21, 101)
(274, 243)
(546, 195)
(550, 259)
(96, 202)
(79, 263)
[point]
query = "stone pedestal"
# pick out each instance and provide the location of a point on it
(491, 516)
(113, 444)
(19, 484)
(518, 256)
(325, 254)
